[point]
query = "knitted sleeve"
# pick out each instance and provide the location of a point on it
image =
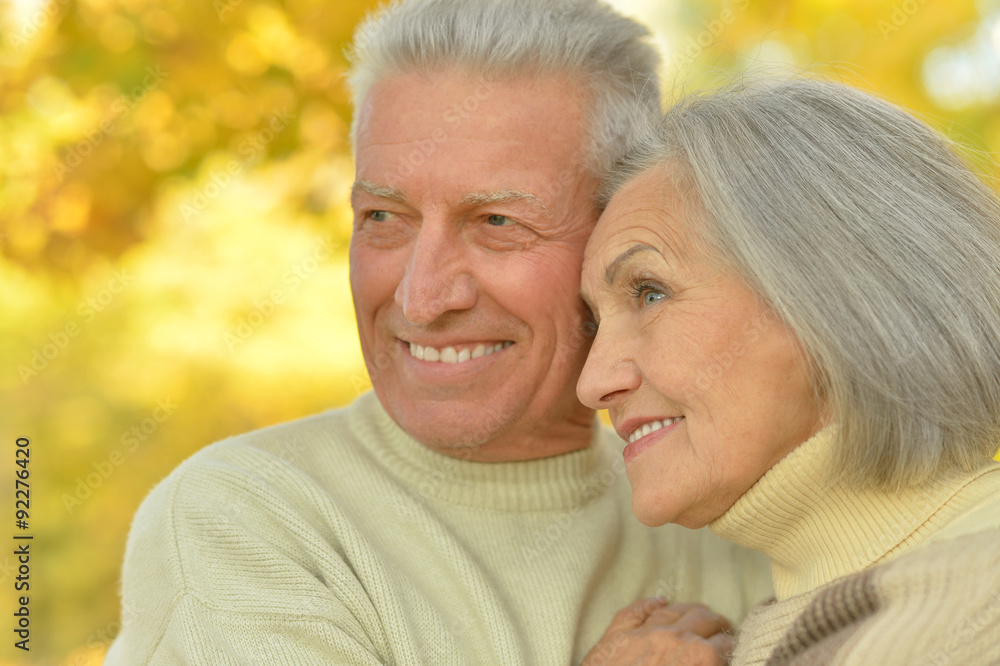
(225, 567)
(938, 605)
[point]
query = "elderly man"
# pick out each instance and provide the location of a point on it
(469, 511)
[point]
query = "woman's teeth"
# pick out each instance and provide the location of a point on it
(452, 355)
(652, 426)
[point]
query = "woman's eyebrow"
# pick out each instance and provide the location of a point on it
(612, 269)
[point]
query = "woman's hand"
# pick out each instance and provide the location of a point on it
(652, 632)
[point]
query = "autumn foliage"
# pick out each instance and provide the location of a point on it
(174, 215)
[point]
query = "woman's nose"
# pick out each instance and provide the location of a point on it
(609, 373)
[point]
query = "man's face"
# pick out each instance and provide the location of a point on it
(472, 208)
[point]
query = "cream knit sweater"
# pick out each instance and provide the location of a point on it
(338, 539)
(871, 578)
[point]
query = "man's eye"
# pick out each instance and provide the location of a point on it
(499, 221)
(589, 325)
(379, 215)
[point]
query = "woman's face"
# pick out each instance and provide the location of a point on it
(706, 384)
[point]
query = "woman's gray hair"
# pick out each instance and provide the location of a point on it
(865, 232)
(514, 38)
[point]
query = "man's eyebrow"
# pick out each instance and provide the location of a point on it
(502, 196)
(612, 269)
(390, 193)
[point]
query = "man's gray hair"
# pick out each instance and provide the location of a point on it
(865, 232)
(500, 39)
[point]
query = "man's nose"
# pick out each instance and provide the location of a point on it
(438, 277)
(609, 375)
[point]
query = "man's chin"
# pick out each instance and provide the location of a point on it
(458, 440)
(453, 427)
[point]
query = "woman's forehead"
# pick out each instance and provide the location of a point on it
(648, 210)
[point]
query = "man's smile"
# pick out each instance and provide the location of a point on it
(459, 353)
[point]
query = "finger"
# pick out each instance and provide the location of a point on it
(694, 618)
(724, 644)
(676, 611)
(635, 614)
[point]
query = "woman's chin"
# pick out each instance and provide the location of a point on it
(653, 513)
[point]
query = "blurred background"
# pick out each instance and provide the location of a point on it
(174, 181)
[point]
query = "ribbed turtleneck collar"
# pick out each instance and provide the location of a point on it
(556, 483)
(816, 529)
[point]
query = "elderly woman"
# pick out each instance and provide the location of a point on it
(797, 289)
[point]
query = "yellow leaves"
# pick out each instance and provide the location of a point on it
(165, 151)
(79, 420)
(116, 33)
(27, 236)
(199, 151)
(234, 109)
(51, 99)
(272, 41)
(70, 211)
(840, 37)
(321, 126)
(159, 27)
(244, 55)
(271, 27)
(164, 144)
(155, 111)
(927, 56)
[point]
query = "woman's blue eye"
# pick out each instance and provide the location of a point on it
(650, 297)
(647, 293)
(499, 220)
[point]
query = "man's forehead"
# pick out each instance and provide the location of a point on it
(453, 139)
(460, 105)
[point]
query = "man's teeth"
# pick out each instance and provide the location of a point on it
(452, 355)
(652, 426)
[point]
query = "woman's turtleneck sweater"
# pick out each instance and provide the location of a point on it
(868, 576)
